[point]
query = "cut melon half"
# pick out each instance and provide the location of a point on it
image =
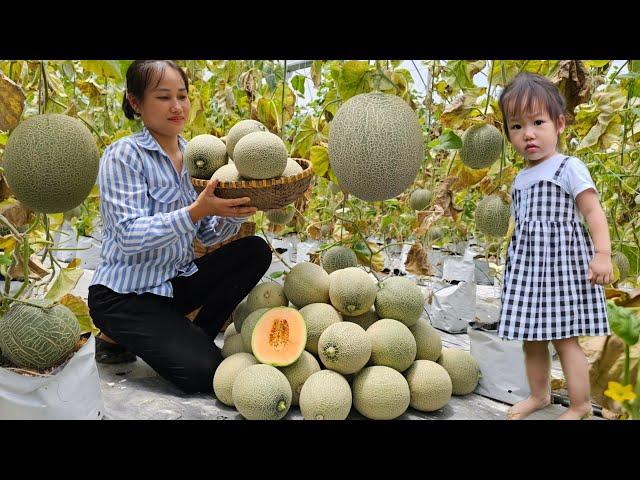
(279, 337)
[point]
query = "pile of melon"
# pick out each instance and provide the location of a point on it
(248, 152)
(327, 342)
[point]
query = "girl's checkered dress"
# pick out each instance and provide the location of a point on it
(546, 294)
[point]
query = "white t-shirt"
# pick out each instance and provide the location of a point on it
(574, 178)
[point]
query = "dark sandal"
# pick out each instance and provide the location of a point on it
(111, 353)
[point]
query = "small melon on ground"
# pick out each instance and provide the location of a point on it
(462, 368)
(298, 372)
(366, 319)
(260, 155)
(392, 344)
(326, 395)
(481, 146)
(380, 393)
(239, 130)
(239, 314)
(266, 295)
(492, 216)
(227, 173)
(248, 325)
(279, 337)
(428, 341)
(429, 384)
(261, 392)
(420, 199)
(352, 291)
(318, 317)
(280, 216)
(622, 262)
(292, 168)
(226, 374)
(344, 347)
(233, 344)
(306, 283)
(338, 257)
(203, 155)
(401, 299)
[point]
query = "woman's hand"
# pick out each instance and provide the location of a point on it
(208, 204)
(600, 269)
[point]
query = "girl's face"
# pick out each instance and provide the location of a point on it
(535, 135)
(164, 108)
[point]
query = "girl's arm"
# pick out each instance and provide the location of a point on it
(600, 268)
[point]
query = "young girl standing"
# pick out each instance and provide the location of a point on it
(554, 271)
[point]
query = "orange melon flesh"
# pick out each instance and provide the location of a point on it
(279, 337)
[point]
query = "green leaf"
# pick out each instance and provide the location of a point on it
(447, 141)
(353, 79)
(459, 73)
(276, 275)
(65, 281)
(596, 63)
(103, 68)
(305, 138)
(319, 158)
(267, 113)
(298, 83)
(12, 100)
(316, 72)
(606, 131)
(624, 323)
(80, 309)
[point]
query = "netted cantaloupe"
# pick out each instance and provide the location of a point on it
(260, 155)
(338, 257)
(462, 368)
(239, 130)
(318, 317)
(203, 155)
(298, 372)
(365, 320)
(392, 344)
(620, 260)
(230, 330)
(232, 344)
(51, 162)
(306, 283)
(352, 291)
(375, 146)
(292, 168)
(429, 384)
(481, 146)
(435, 234)
(227, 173)
(280, 216)
(420, 199)
(38, 337)
(266, 295)
(344, 347)
(226, 374)
(261, 392)
(326, 395)
(247, 327)
(492, 216)
(380, 393)
(279, 337)
(239, 314)
(428, 341)
(401, 299)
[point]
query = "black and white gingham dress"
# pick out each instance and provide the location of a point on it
(546, 294)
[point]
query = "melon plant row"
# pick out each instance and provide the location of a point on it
(330, 342)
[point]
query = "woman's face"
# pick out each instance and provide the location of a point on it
(165, 107)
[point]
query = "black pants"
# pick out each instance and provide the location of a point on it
(155, 328)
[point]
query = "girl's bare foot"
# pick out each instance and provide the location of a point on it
(580, 412)
(526, 407)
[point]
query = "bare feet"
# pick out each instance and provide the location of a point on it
(526, 407)
(580, 412)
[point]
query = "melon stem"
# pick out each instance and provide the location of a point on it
(282, 405)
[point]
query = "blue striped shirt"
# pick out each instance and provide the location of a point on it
(148, 235)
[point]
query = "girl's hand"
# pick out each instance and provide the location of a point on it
(208, 204)
(600, 269)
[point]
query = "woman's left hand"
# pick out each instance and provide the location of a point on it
(600, 269)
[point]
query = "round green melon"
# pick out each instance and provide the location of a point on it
(622, 262)
(428, 341)
(462, 368)
(481, 146)
(51, 163)
(260, 155)
(337, 258)
(298, 372)
(248, 325)
(261, 392)
(280, 216)
(39, 338)
(420, 199)
(292, 168)
(365, 320)
(429, 384)
(306, 283)
(380, 393)
(401, 299)
(435, 234)
(375, 146)
(326, 395)
(239, 130)
(226, 374)
(344, 347)
(203, 155)
(492, 216)
(318, 317)
(392, 344)
(239, 314)
(352, 291)
(266, 295)
(227, 173)
(232, 345)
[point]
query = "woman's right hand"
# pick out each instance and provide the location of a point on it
(208, 204)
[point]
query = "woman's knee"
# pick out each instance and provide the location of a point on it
(259, 251)
(198, 375)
